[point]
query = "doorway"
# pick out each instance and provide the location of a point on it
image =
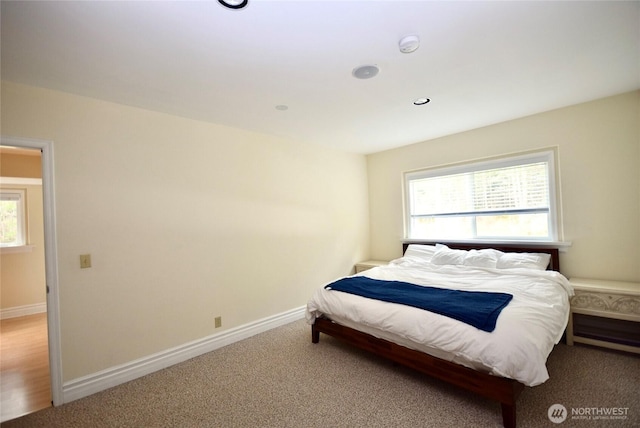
(39, 328)
(24, 357)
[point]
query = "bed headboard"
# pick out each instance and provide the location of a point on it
(554, 263)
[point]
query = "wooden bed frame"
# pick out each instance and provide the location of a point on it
(503, 390)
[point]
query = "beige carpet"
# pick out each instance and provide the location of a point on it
(281, 379)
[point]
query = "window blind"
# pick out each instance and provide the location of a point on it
(510, 198)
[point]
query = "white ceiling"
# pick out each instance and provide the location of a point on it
(479, 62)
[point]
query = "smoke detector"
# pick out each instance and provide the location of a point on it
(409, 44)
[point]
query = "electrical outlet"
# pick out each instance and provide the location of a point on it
(218, 322)
(85, 261)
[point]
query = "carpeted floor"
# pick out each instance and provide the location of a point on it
(280, 379)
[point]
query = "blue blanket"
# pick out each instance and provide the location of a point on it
(477, 308)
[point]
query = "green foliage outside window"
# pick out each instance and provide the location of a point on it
(8, 222)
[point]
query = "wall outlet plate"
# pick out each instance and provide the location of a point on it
(85, 261)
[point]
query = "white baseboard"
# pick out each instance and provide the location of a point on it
(105, 379)
(21, 311)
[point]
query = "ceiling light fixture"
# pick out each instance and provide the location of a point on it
(421, 101)
(234, 4)
(409, 44)
(365, 71)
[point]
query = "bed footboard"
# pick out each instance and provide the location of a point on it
(503, 390)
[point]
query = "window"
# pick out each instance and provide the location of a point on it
(12, 218)
(503, 199)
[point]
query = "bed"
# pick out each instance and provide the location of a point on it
(495, 364)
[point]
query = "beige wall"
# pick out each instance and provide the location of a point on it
(19, 165)
(22, 274)
(184, 221)
(599, 163)
(188, 220)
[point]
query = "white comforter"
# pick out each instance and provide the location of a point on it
(525, 333)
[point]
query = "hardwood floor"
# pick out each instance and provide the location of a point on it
(25, 384)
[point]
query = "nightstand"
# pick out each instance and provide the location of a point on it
(605, 313)
(362, 266)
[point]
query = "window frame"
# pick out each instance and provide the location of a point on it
(548, 155)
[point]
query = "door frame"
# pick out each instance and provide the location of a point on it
(50, 256)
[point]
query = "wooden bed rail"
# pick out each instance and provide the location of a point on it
(503, 390)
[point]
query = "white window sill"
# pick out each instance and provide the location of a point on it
(17, 249)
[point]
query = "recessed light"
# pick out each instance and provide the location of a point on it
(365, 71)
(282, 107)
(421, 101)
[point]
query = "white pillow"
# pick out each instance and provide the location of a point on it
(420, 252)
(446, 256)
(482, 258)
(538, 261)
